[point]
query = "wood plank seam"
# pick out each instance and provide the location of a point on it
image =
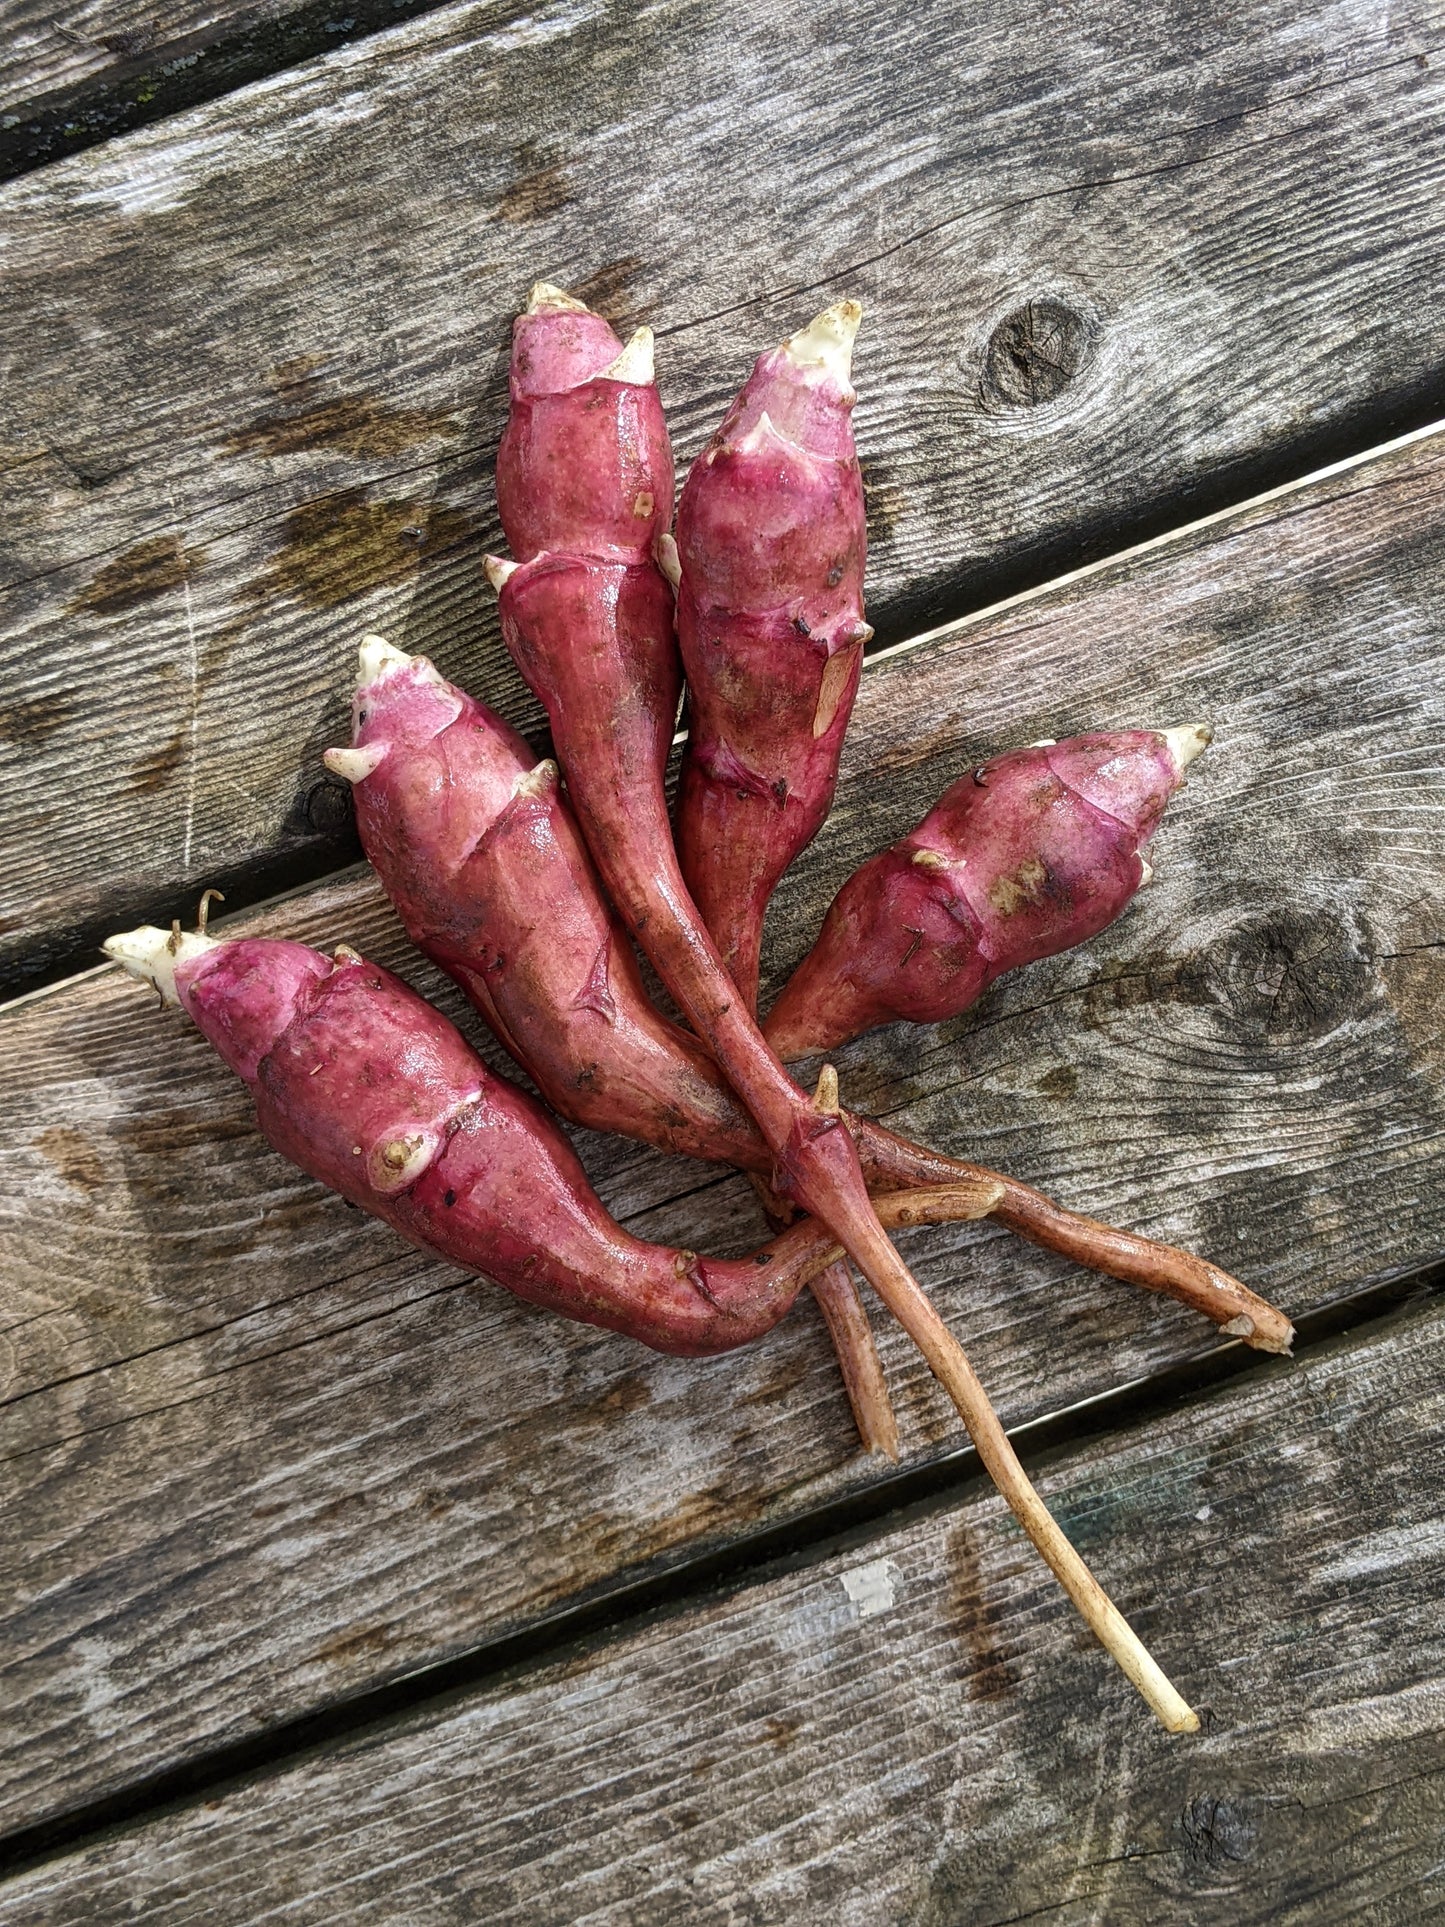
(949, 1483)
(1183, 532)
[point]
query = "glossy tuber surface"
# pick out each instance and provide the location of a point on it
(367, 1088)
(1029, 854)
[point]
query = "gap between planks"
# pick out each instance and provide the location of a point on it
(675, 1587)
(1118, 558)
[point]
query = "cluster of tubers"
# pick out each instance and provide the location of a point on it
(530, 895)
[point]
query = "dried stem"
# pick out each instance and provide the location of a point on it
(946, 1359)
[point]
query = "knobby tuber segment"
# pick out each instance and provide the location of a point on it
(1027, 855)
(584, 487)
(768, 569)
(367, 1088)
(591, 633)
(482, 857)
(771, 541)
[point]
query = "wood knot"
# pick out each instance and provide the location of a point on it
(1034, 353)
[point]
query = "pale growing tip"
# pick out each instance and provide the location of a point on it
(547, 295)
(825, 1097)
(1187, 742)
(152, 954)
(1146, 871)
(538, 779)
(378, 657)
(668, 559)
(634, 364)
(355, 764)
(827, 341)
(929, 860)
(497, 570)
(397, 1163)
(1045, 742)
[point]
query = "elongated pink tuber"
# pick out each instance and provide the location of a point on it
(588, 637)
(366, 1087)
(771, 541)
(484, 862)
(768, 566)
(584, 486)
(482, 858)
(1029, 854)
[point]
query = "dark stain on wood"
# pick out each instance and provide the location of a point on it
(779, 1730)
(358, 1645)
(145, 571)
(154, 772)
(989, 1673)
(161, 1133)
(540, 189)
(346, 544)
(73, 1155)
(627, 1395)
(1034, 354)
(778, 1384)
(357, 425)
(1216, 1833)
(884, 501)
(34, 720)
(1061, 1081)
(608, 288)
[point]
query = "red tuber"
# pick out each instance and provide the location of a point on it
(482, 858)
(1029, 854)
(771, 540)
(366, 1087)
(591, 633)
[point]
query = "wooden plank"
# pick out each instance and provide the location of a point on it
(1115, 267)
(259, 1456)
(916, 1730)
(51, 50)
(82, 73)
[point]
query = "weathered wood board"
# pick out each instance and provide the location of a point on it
(259, 1456)
(80, 73)
(1116, 265)
(916, 1729)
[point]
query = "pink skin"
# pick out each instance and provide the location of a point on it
(585, 462)
(771, 545)
(495, 885)
(363, 1085)
(1028, 855)
(488, 871)
(771, 541)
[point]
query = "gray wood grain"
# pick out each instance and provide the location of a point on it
(49, 49)
(1113, 265)
(257, 1455)
(916, 1731)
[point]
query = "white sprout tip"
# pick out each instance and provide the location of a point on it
(634, 364)
(1146, 871)
(1045, 742)
(378, 657)
(930, 860)
(546, 294)
(355, 764)
(152, 954)
(1187, 742)
(668, 559)
(497, 570)
(827, 341)
(532, 782)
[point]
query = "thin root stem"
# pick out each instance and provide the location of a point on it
(892, 1281)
